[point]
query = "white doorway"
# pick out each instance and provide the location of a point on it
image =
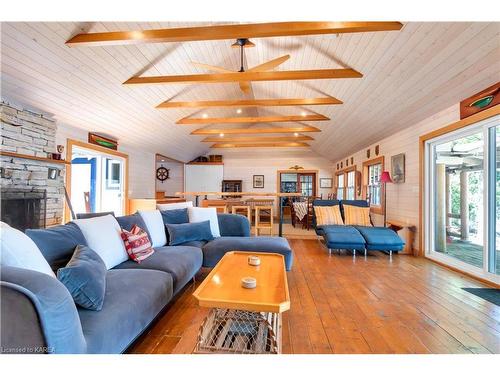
(97, 179)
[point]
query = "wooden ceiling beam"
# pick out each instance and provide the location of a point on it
(259, 130)
(247, 139)
(247, 76)
(251, 120)
(219, 32)
(278, 144)
(250, 103)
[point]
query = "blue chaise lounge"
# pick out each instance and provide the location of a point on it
(347, 237)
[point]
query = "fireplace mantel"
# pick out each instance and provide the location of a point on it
(31, 157)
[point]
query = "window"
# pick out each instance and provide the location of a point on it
(374, 187)
(340, 186)
(351, 185)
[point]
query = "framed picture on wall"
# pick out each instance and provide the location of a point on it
(325, 183)
(258, 181)
(398, 168)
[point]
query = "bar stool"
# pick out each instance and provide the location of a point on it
(248, 214)
(259, 225)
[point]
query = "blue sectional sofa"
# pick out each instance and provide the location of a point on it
(39, 312)
(353, 238)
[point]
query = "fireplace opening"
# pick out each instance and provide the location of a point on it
(23, 209)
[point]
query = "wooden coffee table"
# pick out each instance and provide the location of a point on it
(243, 320)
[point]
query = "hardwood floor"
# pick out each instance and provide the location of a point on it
(372, 305)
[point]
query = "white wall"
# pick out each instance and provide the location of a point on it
(141, 164)
(175, 182)
(242, 165)
(403, 198)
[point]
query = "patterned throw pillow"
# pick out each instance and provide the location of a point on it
(137, 244)
(355, 215)
(328, 215)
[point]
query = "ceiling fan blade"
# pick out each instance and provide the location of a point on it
(245, 86)
(212, 68)
(271, 64)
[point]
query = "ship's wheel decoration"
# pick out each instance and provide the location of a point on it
(162, 174)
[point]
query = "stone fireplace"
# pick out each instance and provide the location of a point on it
(29, 198)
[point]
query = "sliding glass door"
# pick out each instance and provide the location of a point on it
(462, 212)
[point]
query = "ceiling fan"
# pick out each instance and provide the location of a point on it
(243, 43)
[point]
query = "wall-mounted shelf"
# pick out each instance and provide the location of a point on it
(31, 157)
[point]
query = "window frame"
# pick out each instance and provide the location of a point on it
(376, 209)
(344, 172)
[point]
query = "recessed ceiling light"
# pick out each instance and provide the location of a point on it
(296, 134)
(303, 114)
(204, 115)
(221, 135)
(238, 110)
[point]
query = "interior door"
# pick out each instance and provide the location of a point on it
(306, 183)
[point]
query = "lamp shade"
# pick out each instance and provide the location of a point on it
(385, 177)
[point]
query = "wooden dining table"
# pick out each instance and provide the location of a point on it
(280, 196)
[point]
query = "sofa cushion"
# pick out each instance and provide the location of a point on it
(231, 225)
(57, 243)
(133, 299)
(198, 244)
(380, 238)
(214, 250)
(85, 278)
(182, 262)
(181, 233)
(103, 236)
(197, 214)
(175, 216)
(19, 250)
(174, 206)
(128, 221)
(137, 244)
(342, 237)
(354, 215)
(155, 226)
(328, 215)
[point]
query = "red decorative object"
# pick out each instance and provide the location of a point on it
(386, 177)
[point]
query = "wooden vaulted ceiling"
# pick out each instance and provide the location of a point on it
(245, 75)
(408, 75)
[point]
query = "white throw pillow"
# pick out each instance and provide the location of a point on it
(103, 235)
(18, 250)
(156, 227)
(174, 206)
(197, 214)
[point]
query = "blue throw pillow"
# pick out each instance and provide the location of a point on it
(85, 278)
(179, 216)
(181, 233)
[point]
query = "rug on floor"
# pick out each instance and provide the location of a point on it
(489, 294)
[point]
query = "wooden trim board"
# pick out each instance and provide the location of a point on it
(250, 120)
(250, 103)
(218, 32)
(247, 76)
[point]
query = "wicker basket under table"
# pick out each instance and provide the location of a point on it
(228, 331)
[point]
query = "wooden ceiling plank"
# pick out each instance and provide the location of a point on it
(219, 32)
(260, 130)
(225, 139)
(276, 144)
(247, 76)
(250, 103)
(252, 120)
